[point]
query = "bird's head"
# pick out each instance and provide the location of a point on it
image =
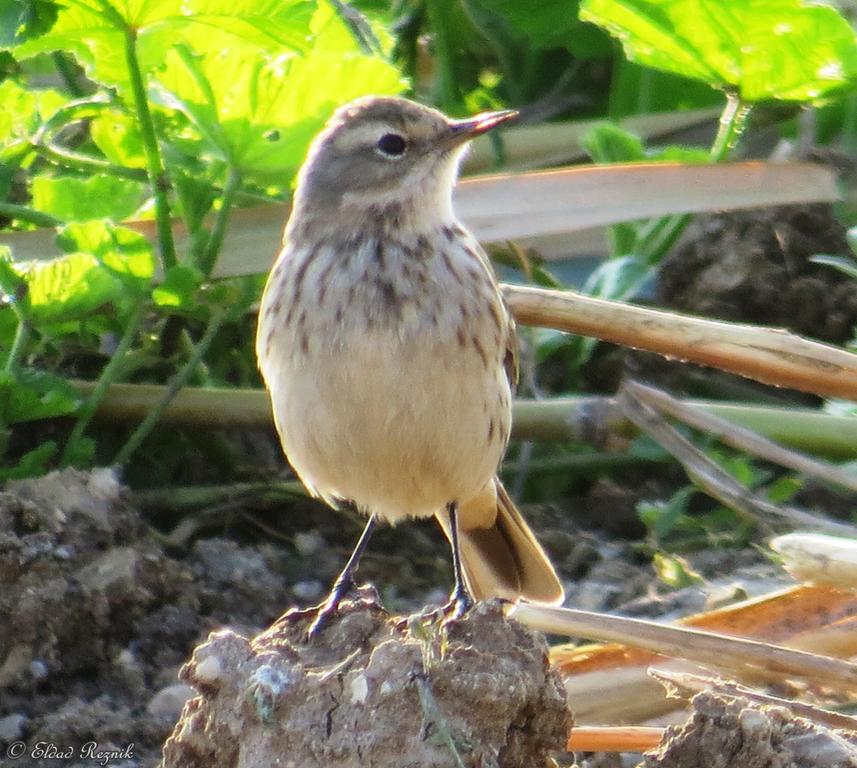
(382, 152)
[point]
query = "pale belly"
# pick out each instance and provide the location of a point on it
(399, 428)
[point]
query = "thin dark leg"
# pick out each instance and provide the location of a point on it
(460, 599)
(344, 581)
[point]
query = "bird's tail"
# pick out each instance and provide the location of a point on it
(500, 556)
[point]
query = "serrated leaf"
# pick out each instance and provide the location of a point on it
(23, 19)
(95, 34)
(258, 113)
(767, 49)
(71, 198)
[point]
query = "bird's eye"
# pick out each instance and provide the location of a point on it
(392, 145)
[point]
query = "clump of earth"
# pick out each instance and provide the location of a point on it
(100, 610)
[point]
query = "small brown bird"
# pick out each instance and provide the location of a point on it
(388, 351)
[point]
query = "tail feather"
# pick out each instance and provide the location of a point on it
(500, 555)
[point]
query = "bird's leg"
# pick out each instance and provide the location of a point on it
(460, 601)
(343, 582)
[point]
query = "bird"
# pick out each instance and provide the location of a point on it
(388, 352)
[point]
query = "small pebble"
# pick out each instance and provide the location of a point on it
(309, 543)
(359, 689)
(312, 589)
(12, 727)
(65, 552)
(168, 702)
(209, 669)
(38, 670)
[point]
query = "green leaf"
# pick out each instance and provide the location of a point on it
(784, 489)
(67, 287)
(608, 143)
(23, 19)
(179, 287)
(23, 110)
(117, 135)
(31, 464)
(619, 278)
(95, 33)
(675, 571)
(125, 253)
(258, 113)
(31, 395)
(13, 286)
(662, 517)
(70, 198)
(767, 49)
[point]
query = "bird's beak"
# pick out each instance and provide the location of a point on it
(466, 129)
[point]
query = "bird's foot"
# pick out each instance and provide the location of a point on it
(321, 614)
(460, 602)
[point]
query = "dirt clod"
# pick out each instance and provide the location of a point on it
(373, 691)
(726, 731)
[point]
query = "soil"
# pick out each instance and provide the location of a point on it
(725, 731)
(100, 613)
(752, 267)
(366, 690)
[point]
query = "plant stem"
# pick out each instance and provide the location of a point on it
(359, 27)
(78, 161)
(157, 173)
(110, 372)
(577, 419)
(22, 333)
(172, 389)
(30, 215)
(732, 123)
(446, 85)
(215, 239)
(66, 71)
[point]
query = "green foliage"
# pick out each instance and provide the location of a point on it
(69, 198)
(189, 105)
(767, 49)
(33, 395)
(675, 571)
